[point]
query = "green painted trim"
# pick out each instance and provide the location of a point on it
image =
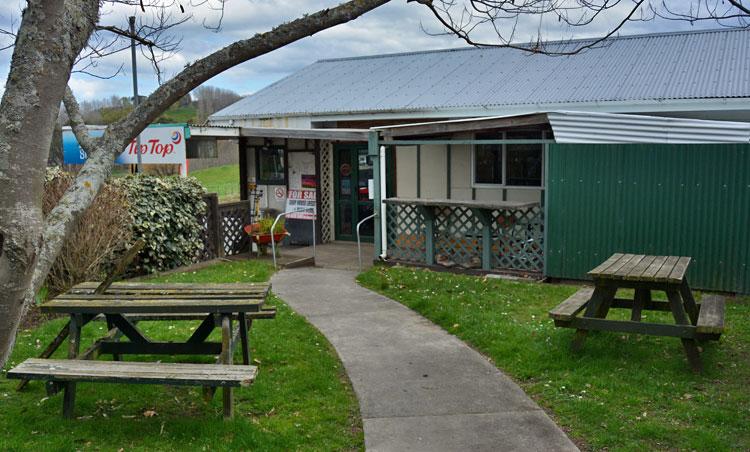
(419, 171)
(419, 142)
(353, 201)
(448, 175)
(373, 150)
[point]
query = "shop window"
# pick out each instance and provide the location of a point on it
(509, 165)
(271, 165)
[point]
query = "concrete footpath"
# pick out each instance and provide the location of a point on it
(419, 388)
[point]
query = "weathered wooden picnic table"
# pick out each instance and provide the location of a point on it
(123, 305)
(693, 322)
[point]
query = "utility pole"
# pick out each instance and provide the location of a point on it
(136, 100)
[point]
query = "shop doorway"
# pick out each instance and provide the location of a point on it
(352, 174)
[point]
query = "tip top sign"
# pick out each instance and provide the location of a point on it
(158, 145)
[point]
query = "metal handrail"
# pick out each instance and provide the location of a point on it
(273, 227)
(359, 245)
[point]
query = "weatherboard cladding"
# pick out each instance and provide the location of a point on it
(690, 65)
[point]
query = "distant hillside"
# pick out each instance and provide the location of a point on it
(175, 114)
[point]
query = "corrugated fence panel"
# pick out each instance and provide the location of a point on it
(682, 199)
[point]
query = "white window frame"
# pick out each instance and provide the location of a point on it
(504, 151)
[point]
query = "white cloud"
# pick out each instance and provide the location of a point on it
(394, 27)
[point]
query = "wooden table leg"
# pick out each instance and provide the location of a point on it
(689, 302)
(118, 334)
(226, 358)
(641, 299)
(244, 338)
(74, 345)
(597, 307)
(690, 345)
(51, 348)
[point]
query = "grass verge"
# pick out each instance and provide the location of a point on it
(301, 400)
(622, 392)
(223, 180)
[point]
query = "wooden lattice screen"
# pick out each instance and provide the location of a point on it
(517, 237)
(222, 228)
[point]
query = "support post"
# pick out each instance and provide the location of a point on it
(429, 234)
(243, 168)
(226, 358)
(74, 345)
(374, 152)
(486, 220)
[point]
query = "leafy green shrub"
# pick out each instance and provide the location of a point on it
(265, 224)
(166, 212)
(98, 239)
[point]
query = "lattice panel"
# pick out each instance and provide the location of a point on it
(518, 239)
(405, 233)
(233, 217)
(326, 191)
(208, 231)
(458, 237)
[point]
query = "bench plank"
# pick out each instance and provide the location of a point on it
(650, 272)
(572, 305)
(604, 265)
(152, 306)
(134, 372)
(629, 266)
(711, 315)
(666, 269)
(161, 296)
(679, 270)
(636, 272)
(139, 286)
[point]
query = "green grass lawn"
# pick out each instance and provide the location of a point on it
(622, 392)
(301, 399)
(223, 180)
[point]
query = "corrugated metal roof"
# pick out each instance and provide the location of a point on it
(712, 64)
(584, 127)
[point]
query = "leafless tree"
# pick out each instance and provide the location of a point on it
(56, 37)
(498, 23)
(211, 99)
(52, 37)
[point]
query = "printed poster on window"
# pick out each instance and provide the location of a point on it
(303, 203)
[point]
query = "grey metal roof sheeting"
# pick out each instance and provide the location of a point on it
(712, 64)
(584, 127)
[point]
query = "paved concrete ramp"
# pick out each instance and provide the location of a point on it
(419, 388)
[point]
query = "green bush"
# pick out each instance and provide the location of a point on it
(166, 212)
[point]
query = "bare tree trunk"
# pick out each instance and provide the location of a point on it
(51, 34)
(40, 252)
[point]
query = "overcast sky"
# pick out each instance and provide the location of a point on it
(394, 27)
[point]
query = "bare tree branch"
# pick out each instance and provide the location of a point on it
(76, 121)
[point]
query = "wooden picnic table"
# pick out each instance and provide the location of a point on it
(644, 274)
(123, 304)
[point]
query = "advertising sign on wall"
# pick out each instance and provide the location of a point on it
(302, 201)
(159, 144)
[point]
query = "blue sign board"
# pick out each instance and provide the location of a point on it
(73, 154)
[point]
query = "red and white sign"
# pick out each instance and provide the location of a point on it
(302, 202)
(158, 145)
(279, 193)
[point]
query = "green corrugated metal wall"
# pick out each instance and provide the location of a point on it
(687, 200)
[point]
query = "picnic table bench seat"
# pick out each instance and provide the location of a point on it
(177, 374)
(572, 305)
(711, 315)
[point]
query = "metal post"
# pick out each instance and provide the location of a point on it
(273, 227)
(359, 243)
(131, 19)
(373, 152)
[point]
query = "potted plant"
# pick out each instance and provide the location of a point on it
(260, 231)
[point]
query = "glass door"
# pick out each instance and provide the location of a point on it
(353, 171)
